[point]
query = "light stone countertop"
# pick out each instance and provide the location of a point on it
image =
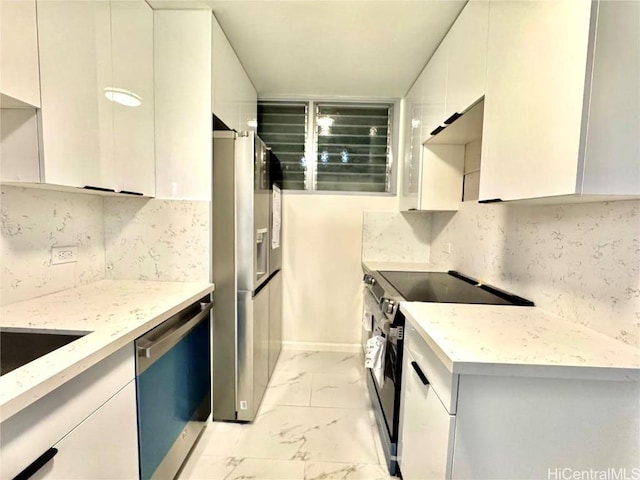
(519, 341)
(116, 312)
(398, 266)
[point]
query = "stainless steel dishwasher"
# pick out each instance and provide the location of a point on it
(173, 389)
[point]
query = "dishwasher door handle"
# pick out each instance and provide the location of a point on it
(147, 348)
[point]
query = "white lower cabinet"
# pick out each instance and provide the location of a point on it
(90, 420)
(490, 427)
(103, 447)
(426, 444)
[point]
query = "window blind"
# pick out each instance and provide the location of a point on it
(339, 146)
(352, 147)
(283, 128)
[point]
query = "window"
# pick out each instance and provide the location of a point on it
(283, 127)
(330, 146)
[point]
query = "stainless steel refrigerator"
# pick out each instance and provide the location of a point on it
(247, 312)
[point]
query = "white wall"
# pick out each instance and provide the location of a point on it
(33, 221)
(322, 241)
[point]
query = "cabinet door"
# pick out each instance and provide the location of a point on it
(426, 429)
(235, 100)
(434, 91)
(412, 149)
(19, 53)
(182, 60)
(102, 447)
(467, 57)
(132, 44)
(536, 68)
(75, 69)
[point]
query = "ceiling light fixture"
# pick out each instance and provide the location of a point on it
(123, 97)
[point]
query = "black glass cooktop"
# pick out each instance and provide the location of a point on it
(448, 287)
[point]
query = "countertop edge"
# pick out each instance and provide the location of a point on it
(575, 372)
(567, 372)
(22, 400)
(377, 265)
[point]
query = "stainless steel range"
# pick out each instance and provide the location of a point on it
(383, 293)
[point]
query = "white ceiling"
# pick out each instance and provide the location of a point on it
(352, 48)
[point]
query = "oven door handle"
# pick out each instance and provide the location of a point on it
(147, 348)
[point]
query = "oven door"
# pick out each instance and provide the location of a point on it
(389, 392)
(389, 389)
(370, 310)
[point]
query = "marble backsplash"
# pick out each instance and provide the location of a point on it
(117, 238)
(396, 237)
(578, 261)
(152, 239)
(33, 221)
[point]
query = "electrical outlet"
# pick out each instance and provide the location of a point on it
(446, 248)
(64, 255)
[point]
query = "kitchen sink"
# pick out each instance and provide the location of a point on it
(21, 346)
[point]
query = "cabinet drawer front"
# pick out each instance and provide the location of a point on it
(426, 438)
(28, 434)
(442, 380)
(103, 447)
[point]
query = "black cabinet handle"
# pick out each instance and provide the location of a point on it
(39, 462)
(452, 118)
(127, 192)
(423, 377)
(491, 200)
(437, 130)
(99, 189)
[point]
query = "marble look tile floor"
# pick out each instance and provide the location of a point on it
(315, 423)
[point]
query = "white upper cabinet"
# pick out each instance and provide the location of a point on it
(182, 55)
(433, 81)
(454, 78)
(467, 57)
(235, 100)
(562, 105)
(452, 81)
(75, 70)
(132, 49)
(19, 54)
(411, 149)
(90, 54)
